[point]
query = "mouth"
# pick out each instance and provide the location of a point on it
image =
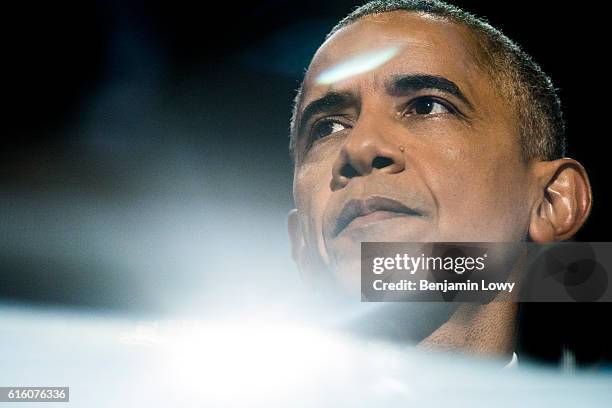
(358, 213)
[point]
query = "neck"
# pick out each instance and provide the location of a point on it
(487, 330)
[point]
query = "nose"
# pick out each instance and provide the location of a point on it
(363, 153)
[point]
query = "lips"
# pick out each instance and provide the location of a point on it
(371, 210)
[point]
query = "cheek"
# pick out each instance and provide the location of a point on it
(482, 196)
(311, 183)
(311, 193)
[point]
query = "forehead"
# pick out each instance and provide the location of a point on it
(402, 42)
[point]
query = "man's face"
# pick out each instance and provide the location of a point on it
(419, 147)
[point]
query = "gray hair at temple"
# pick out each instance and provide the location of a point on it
(514, 73)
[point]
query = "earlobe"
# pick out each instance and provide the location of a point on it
(564, 202)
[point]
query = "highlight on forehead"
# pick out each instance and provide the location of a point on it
(357, 64)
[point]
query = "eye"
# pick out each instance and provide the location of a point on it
(426, 105)
(326, 127)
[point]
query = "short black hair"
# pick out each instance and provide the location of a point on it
(517, 76)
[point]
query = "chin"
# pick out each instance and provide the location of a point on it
(348, 275)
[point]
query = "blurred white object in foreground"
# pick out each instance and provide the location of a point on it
(254, 362)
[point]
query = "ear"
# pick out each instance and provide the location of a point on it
(295, 235)
(564, 200)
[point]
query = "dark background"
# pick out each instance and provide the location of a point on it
(111, 106)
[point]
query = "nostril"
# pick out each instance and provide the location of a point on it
(348, 171)
(381, 162)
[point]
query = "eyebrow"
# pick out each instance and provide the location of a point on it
(332, 101)
(408, 83)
